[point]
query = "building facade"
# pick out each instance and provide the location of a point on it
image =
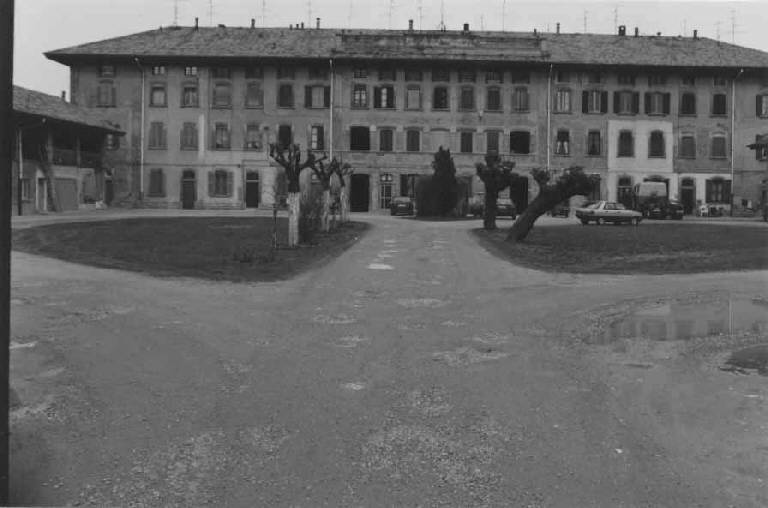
(200, 106)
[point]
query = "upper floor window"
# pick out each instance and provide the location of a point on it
(719, 104)
(221, 72)
(520, 142)
(317, 72)
(494, 76)
(687, 146)
(189, 95)
(286, 72)
(656, 146)
(657, 79)
(112, 142)
(359, 96)
(626, 103)
(413, 140)
(413, 97)
(562, 77)
(384, 97)
(562, 101)
(285, 95)
(190, 71)
(254, 72)
(359, 138)
(761, 105)
(106, 71)
(688, 103)
(689, 80)
(222, 95)
(221, 138)
(563, 142)
(593, 78)
(719, 81)
(387, 74)
(317, 96)
(440, 98)
(520, 99)
(158, 70)
(440, 74)
(317, 137)
(413, 75)
(467, 98)
(626, 79)
(657, 103)
(106, 93)
(467, 76)
(253, 140)
(158, 96)
(189, 136)
(520, 77)
(254, 95)
(718, 149)
(493, 99)
(157, 136)
(593, 143)
(626, 144)
(761, 153)
(594, 101)
(360, 73)
(386, 140)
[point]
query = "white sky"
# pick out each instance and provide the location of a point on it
(44, 25)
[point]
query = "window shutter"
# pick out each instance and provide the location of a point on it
(758, 106)
(603, 102)
(230, 183)
(758, 150)
(616, 101)
(308, 97)
(376, 97)
(162, 183)
(327, 97)
(211, 183)
(647, 100)
(636, 102)
(727, 191)
(708, 196)
(320, 137)
(585, 102)
(667, 102)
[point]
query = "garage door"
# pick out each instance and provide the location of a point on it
(66, 191)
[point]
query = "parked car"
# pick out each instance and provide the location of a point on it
(402, 205)
(505, 208)
(675, 210)
(561, 210)
(476, 206)
(608, 211)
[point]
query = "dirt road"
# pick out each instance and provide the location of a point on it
(415, 369)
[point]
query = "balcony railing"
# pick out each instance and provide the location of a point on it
(66, 157)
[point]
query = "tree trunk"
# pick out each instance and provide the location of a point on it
(544, 202)
(294, 199)
(325, 220)
(489, 210)
(344, 205)
(50, 181)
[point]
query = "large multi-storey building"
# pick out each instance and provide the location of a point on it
(200, 105)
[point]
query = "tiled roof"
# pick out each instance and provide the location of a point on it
(544, 48)
(49, 106)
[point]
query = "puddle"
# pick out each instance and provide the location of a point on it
(686, 320)
(747, 359)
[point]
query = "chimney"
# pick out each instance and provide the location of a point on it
(410, 24)
(637, 32)
(290, 27)
(317, 20)
(64, 95)
(558, 27)
(196, 20)
(622, 30)
(534, 31)
(466, 27)
(695, 34)
(221, 25)
(302, 25)
(253, 22)
(658, 34)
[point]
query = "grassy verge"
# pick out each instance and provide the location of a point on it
(218, 248)
(653, 248)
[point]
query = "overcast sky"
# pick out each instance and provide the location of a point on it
(43, 25)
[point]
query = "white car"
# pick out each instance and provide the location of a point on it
(607, 211)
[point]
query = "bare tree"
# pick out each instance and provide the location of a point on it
(573, 181)
(497, 175)
(324, 174)
(342, 170)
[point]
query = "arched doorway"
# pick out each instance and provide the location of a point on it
(688, 195)
(188, 189)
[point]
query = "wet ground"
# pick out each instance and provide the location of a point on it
(415, 369)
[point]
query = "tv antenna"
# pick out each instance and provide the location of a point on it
(442, 15)
(309, 12)
(503, 13)
(585, 21)
(421, 12)
(263, 13)
(349, 13)
(176, 11)
(717, 30)
(615, 19)
(210, 11)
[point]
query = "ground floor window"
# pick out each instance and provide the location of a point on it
(594, 193)
(408, 185)
(220, 183)
(26, 189)
(718, 190)
(385, 190)
(624, 191)
(156, 183)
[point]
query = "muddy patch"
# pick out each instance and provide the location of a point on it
(350, 341)
(464, 356)
(412, 303)
(492, 338)
(747, 360)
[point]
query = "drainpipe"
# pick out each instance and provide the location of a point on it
(141, 135)
(549, 116)
(733, 133)
(330, 112)
(20, 155)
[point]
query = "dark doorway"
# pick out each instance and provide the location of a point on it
(360, 195)
(688, 195)
(284, 136)
(252, 191)
(188, 189)
(109, 191)
(518, 193)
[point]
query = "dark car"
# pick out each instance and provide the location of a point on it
(675, 210)
(505, 208)
(665, 210)
(401, 206)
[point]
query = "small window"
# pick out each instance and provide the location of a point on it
(563, 101)
(594, 193)
(360, 138)
(26, 189)
(190, 71)
(688, 103)
(106, 94)
(384, 97)
(440, 98)
(317, 137)
(521, 77)
(112, 142)
(594, 78)
(157, 136)
(107, 71)
(317, 96)
(413, 75)
(222, 95)
(253, 140)
(657, 103)
(413, 140)
(467, 98)
(285, 95)
(761, 152)
(189, 136)
(254, 95)
(520, 142)
(719, 81)
(520, 99)
(220, 184)
(626, 79)
(386, 140)
(156, 183)
(413, 97)
(158, 70)
(360, 73)
(492, 141)
(657, 80)
(761, 105)
(562, 77)
(254, 72)
(221, 72)
(594, 101)
(656, 146)
(688, 146)
(689, 80)
(494, 76)
(319, 73)
(189, 95)
(387, 74)
(593, 143)
(718, 146)
(221, 139)
(359, 96)
(493, 99)
(157, 96)
(440, 74)
(467, 76)
(467, 141)
(563, 143)
(719, 104)
(626, 144)
(284, 136)
(286, 72)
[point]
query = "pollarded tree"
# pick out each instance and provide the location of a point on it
(572, 182)
(444, 185)
(343, 170)
(497, 175)
(324, 173)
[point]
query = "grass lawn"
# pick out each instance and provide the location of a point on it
(655, 248)
(219, 248)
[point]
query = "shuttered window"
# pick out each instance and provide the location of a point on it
(156, 183)
(220, 183)
(189, 136)
(157, 136)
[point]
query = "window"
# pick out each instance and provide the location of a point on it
(467, 98)
(386, 140)
(718, 190)
(562, 77)
(761, 105)
(285, 95)
(719, 104)
(254, 95)
(253, 137)
(520, 142)
(190, 71)
(718, 146)
(158, 70)
(493, 99)
(624, 191)
(440, 98)
(494, 76)
(563, 143)
(189, 136)
(593, 78)
(222, 95)
(221, 72)
(112, 142)
(626, 144)
(761, 153)
(563, 101)
(189, 95)
(318, 73)
(157, 136)
(657, 103)
(594, 101)
(688, 146)
(520, 99)
(467, 76)
(593, 143)
(26, 189)
(719, 81)
(317, 96)
(156, 183)
(440, 138)
(384, 97)
(626, 79)
(689, 81)
(106, 94)
(360, 138)
(317, 137)
(657, 80)
(413, 75)
(221, 140)
(440, 74)
(220, 183)
(688, 103)
(360, 73)
(413, 97)
(466, 142)
(626, 103)
(521, 77)
(254, 72)
(385, 190)
(284, 136)
(492, 142)
(413, 140)
(157, 96)
(387, 74)
(408, 184)
(359, 96)
(594, 193)
(107, 71)
(656, 146)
